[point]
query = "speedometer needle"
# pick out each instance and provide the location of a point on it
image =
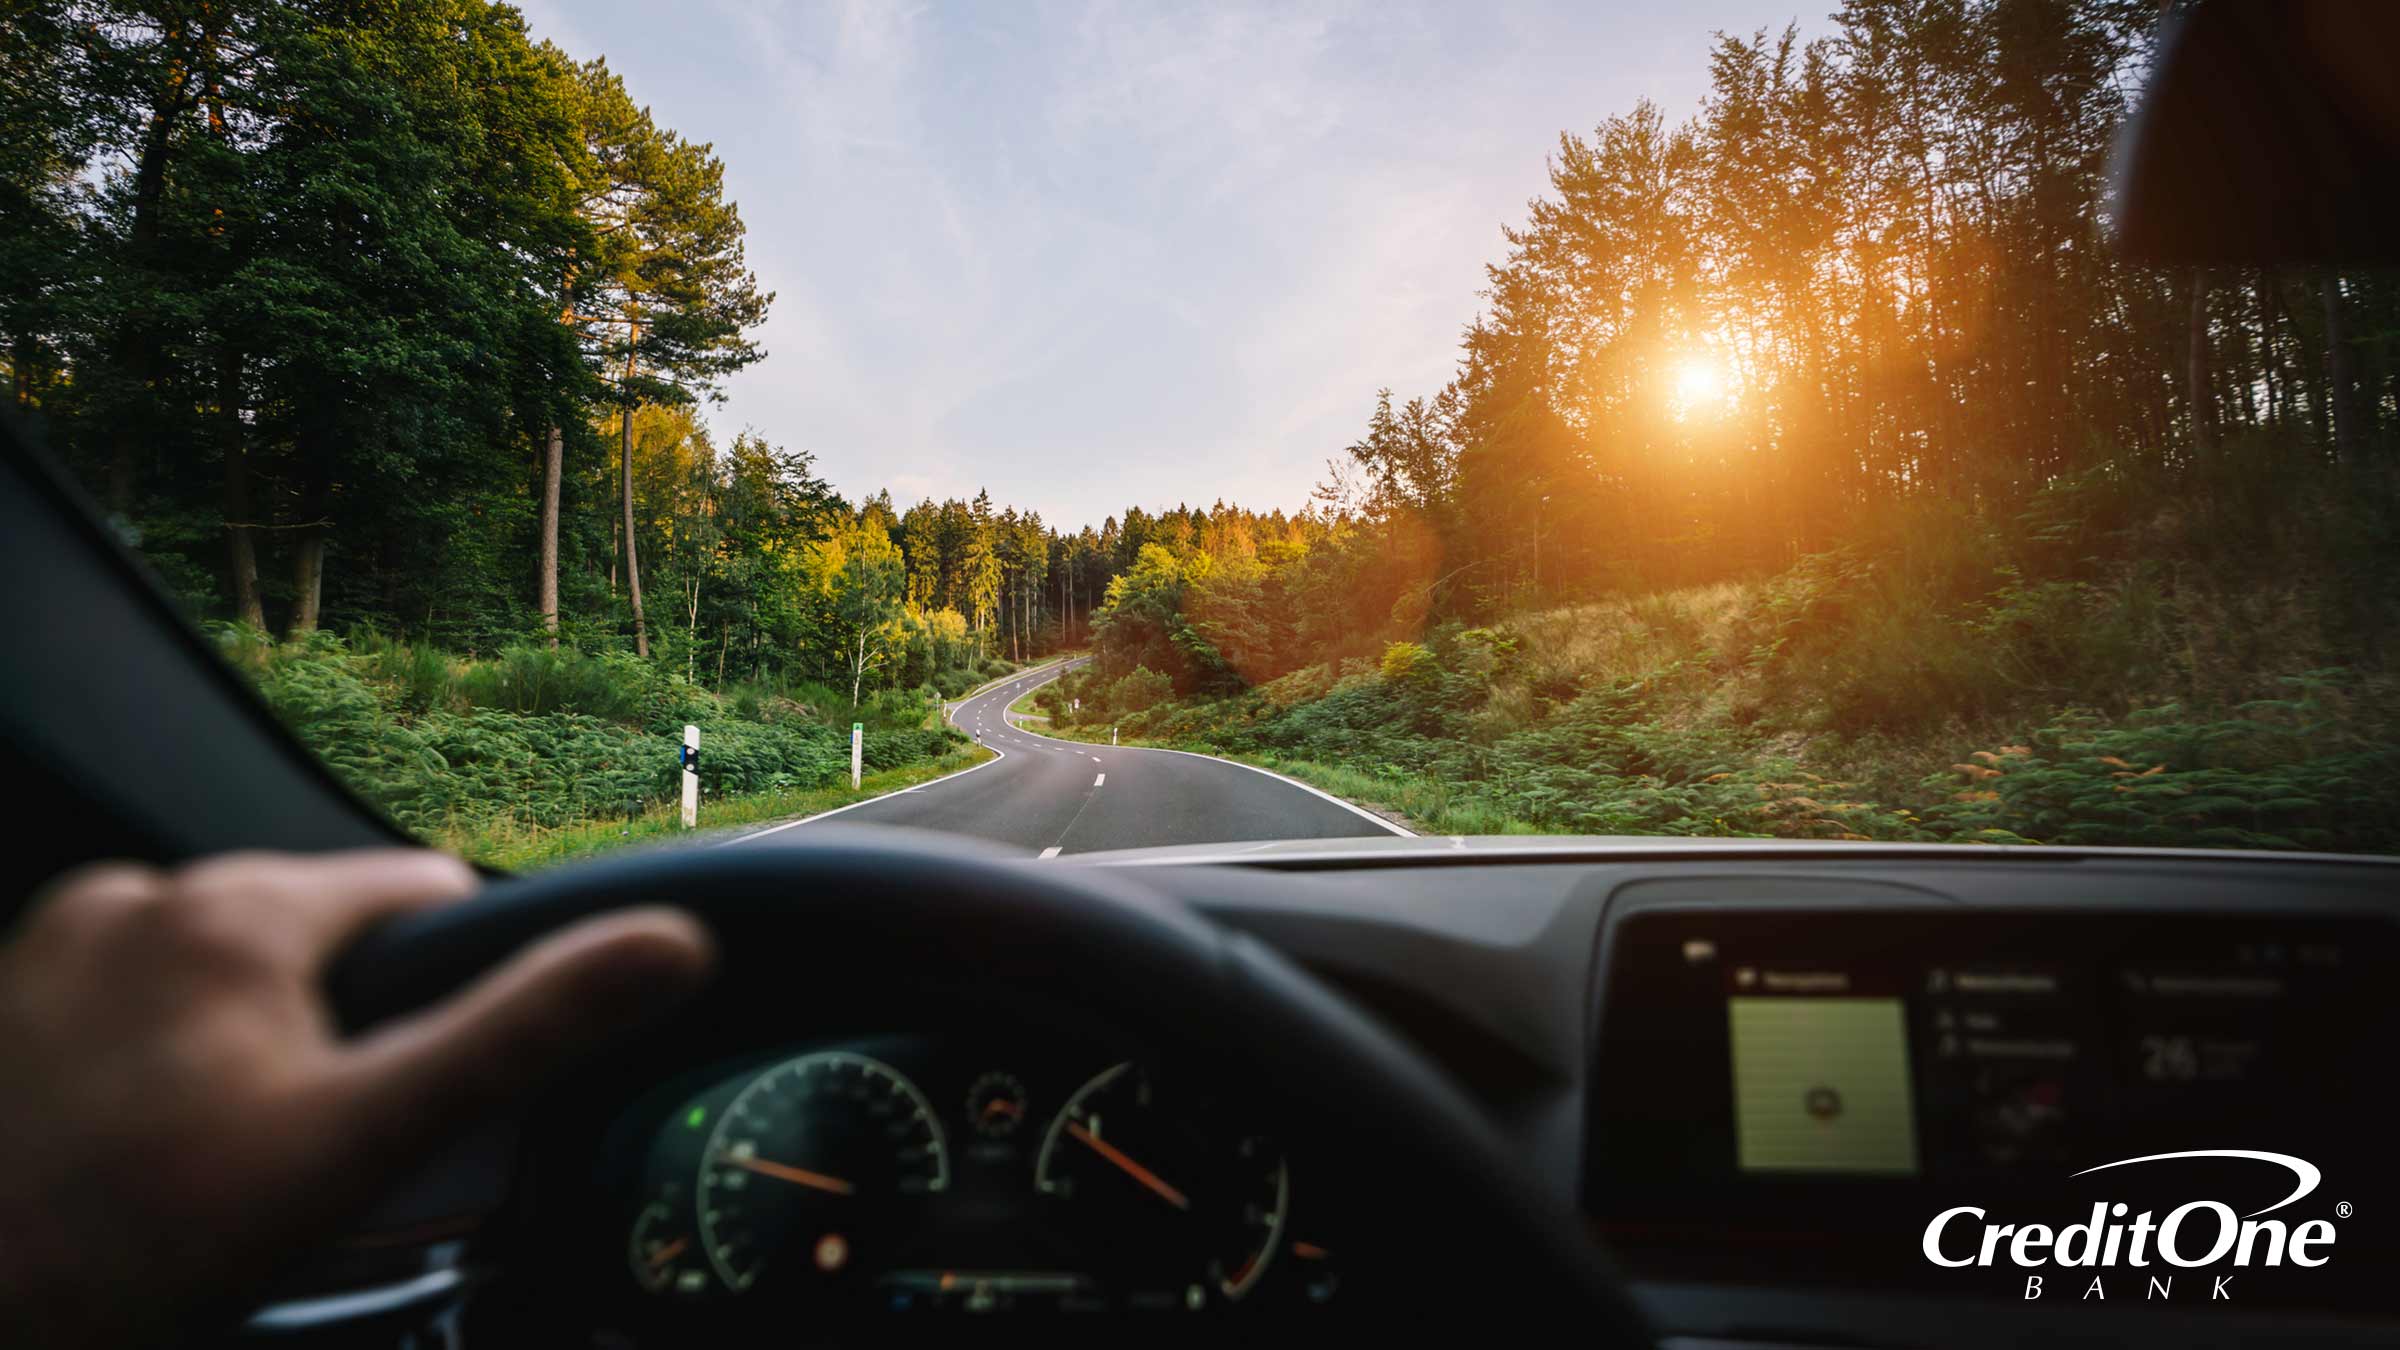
(799, 1176)
(1131, 1168)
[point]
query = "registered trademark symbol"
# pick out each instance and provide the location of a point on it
(2342, 1210)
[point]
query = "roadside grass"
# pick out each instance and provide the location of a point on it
(511, 846)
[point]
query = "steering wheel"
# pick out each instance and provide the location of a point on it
(1460, 1230)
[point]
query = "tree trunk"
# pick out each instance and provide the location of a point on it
(2196, 383)
(2341, 375)
(546, 583)
(2269, 360)
(137, 347)
(241, 538)
(308, 550)
(633, 568)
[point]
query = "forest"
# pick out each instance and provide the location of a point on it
(385, 333)
(1810, 467)
(1814, 468)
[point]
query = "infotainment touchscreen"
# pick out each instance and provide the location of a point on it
(1821, 1084)
(1791, 1077)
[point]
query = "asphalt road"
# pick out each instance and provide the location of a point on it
(1050, 797)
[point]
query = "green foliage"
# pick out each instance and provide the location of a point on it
(1139, 690)
(540, 739)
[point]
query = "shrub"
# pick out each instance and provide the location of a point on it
(1140, 689)
(1404, 662)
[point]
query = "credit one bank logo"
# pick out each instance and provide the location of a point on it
(2191, 1236)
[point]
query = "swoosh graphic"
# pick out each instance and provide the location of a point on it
(2301, 1168)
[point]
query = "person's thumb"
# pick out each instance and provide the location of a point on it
(411, 1084)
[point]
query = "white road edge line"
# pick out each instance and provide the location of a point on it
(998, 754)
(1050, 852)
(1353, 808)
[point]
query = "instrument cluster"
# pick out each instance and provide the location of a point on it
(912, 1175)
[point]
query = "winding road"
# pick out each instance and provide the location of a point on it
(1051, 797)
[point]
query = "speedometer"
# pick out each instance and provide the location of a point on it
(1186, 1207)
(797, 1173)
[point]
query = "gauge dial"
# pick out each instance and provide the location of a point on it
(996, 1105)
(663, 1249)
(1181, 1203)
(798, 1174)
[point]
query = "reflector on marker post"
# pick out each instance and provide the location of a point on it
(858, 734)
(691, 776)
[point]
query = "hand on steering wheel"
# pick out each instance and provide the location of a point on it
(179, 1112)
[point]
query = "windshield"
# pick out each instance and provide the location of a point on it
(593, 426)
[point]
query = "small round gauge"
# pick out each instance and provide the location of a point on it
(799, 1172)
(1177, 1201)
(663, 1249)
(996, 1105)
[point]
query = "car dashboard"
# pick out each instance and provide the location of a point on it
(1792, 1090)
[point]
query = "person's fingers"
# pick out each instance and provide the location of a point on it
(407, 1085)
(96, 892)
(320, 902)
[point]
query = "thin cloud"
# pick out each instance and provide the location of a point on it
(1095, 254)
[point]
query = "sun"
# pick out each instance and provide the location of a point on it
(1699, 385)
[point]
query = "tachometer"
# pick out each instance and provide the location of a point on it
(1185, 1207)
(800, 1163)
(664, 1256)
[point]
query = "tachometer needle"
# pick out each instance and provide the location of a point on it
(1131, 1168)
(669, 1252)
(798, 1176)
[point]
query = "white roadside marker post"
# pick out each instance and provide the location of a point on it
(1112, 735)
(858, 733)
(691, 776)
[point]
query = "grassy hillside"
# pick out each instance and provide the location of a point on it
(2107, 665)
(536, 754)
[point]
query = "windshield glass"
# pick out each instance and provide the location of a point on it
(591, 425)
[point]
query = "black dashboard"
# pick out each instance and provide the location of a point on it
(1805, 1097)
(1763, 1072)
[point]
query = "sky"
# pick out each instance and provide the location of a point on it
(1092, 255)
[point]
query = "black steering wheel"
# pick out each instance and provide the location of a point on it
(1461, 1232)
